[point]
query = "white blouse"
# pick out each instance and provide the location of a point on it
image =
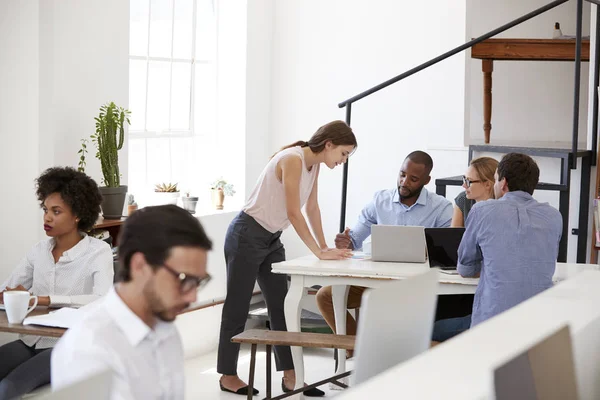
(82, 274)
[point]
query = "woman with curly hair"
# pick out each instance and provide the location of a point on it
(69, 268)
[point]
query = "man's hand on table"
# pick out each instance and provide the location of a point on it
(343, 241)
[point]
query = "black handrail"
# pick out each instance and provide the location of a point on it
(575, 137)
(345, 177)
(452, 52)
(595, 97)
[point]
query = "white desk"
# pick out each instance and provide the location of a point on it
(462, 368)
(308, 271)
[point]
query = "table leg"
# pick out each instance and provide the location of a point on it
(292, 310)
(487, 67)
(339, 294)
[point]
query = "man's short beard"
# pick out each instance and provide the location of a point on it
(416, 193)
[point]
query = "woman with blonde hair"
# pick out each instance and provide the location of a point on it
(288, 182)
(478, 182)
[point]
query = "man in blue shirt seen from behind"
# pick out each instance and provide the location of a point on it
(408, 204)
(511, 243)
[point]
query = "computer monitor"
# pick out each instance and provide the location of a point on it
(545, 371)
(442, 246)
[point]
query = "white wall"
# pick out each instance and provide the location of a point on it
(19, 97)
(532, 101)
(325, 52)
(61, 60)
(200, 329)
(84, 49)
(258, 88)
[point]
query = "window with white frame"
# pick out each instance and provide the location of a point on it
(172, 91)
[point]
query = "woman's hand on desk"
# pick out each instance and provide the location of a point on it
(335, 254)
(9, 289)
(42, 300)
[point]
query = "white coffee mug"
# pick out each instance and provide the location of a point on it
(16, 303)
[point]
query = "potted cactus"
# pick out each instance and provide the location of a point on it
(220, 188)
(167, 193)
(189, 202)
(109, 138)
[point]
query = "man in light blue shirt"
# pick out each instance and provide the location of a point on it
(408, 204)
(511, 243)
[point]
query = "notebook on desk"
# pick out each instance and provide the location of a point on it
(395, 243)
(442, 247)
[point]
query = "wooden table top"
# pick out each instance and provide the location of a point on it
(530, 49)
(35, 330)
(106, 223)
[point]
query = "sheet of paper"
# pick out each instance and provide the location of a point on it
(62, 318)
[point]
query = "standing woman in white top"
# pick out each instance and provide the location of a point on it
(288, 182)
(68, 269)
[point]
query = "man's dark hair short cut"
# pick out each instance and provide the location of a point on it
(521, 172)
(420, 157)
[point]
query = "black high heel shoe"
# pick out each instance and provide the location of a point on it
(243, 390)
(314, 392)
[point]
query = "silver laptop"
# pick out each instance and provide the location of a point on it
(398, 243)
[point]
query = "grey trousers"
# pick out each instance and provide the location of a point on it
(249, 252)
(22, 369)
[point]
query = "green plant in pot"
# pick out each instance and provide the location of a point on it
(220, 188)
(109, 139)
(167, 193)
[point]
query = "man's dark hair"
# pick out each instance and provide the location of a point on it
(521, 172)
(420, 157)
(154, 231)
(78, 191)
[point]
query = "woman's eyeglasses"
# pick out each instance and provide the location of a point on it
(467, 182)
(188, 283)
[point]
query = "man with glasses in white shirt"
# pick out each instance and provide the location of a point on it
(162, 255)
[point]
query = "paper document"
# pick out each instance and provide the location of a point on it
(63, 318)
(359, 255)
(449, 271)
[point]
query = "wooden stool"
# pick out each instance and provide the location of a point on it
(300, 339)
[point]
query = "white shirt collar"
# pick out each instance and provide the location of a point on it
(130, 324)
(74, 252)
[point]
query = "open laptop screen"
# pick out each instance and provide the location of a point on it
(442, 246)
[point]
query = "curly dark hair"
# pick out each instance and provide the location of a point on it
(78, 191)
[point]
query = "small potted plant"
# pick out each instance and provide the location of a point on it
(220, 188)
(189, 202)
(167, 192)
(131, 204)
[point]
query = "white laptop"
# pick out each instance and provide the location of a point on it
(398, 243)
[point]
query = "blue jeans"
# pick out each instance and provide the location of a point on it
(445, 329)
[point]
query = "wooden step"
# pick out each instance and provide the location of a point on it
(301, 339)
(558, 151)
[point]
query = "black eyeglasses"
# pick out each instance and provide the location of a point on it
(467, 181)
(187, 282)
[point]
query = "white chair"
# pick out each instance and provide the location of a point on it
(396, 322)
